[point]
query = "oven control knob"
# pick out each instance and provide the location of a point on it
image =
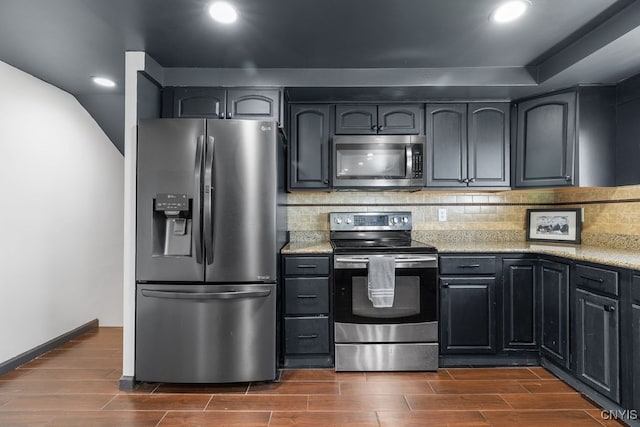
(348, 220)
(405, 220)
(394, 220)
(338, 220)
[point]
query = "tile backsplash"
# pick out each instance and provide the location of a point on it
(611, 215)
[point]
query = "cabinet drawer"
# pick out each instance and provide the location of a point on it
(305, 335)
(467, 265)
(306, 295)
(597, 279)
(635, 289)
(306, 265)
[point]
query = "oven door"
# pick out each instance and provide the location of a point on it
(415, 296)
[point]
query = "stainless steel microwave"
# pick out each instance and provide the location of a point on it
(378, 161)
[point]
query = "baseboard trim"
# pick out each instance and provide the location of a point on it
(29, 355)
(127, 383)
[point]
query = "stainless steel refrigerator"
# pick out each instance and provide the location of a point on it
(210, 224)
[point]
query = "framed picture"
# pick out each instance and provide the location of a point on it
(554, 225)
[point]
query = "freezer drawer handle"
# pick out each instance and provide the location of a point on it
(307, 337)
(206, 295)
(469, 266)
(307, 266)
(307, 296)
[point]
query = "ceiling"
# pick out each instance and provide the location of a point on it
(557, 43)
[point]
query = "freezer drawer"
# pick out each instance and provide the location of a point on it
(205, 333)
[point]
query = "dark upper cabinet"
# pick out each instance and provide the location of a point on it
(309, 146)
(520, 302)
(468, 145)
(389, 119)
(554, 313)
(567, 139)
(489, 145)
(253, 104)
(597, 343)
(467, 315)
(220, 103)
(194, 102)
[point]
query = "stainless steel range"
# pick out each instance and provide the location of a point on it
(386, 294)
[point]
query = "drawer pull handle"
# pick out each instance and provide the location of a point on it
(307, 296)
(308, 337)
(594, 279)
(470, 266)
(307, 266)
(609, 308)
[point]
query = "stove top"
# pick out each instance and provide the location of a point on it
(344, 246)
(371, 232)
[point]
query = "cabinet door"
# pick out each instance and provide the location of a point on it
(205, 102)
(356, 119)
(488, 158)
(309, 147)
(446, 145)
(545, 141)
(253, 104)
(597, 343)
(520, 304)
(554, 316)
(400, 119)
(467, 315)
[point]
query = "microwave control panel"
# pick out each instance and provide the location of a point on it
(418, 160)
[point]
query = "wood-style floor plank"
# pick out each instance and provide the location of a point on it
(215, 419)
(274, 402)
(477, 387)
(108, 419)
(547, 386)
(379, 387)
(432, 418)
(295, 387)
(315, 375)
(159, 402)
(59, 402)
(540, 418)
(324, 419)
(372, 402)
(492, 374)
(548, 401)
(452, 402)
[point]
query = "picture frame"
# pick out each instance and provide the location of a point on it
(554, 225)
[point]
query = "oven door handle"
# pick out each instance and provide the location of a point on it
(398, 260)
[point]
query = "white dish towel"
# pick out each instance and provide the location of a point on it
(382, 280)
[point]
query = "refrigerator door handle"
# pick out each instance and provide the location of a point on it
(197, 200)
(208, 199)
(207, 295)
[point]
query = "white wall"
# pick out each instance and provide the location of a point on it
(61, 222)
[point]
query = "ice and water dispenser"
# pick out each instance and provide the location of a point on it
(172, 225)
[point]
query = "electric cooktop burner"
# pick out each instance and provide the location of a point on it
(352, 232)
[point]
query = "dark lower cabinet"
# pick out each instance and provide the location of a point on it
(520, 304)
(554, 313)
(635, 342)
(307, 327)
(597, 343)
(467, 315)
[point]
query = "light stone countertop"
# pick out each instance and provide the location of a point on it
(614, 257)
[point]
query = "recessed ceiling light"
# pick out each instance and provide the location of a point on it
(510, 10)
(103, 81)
(223, 12)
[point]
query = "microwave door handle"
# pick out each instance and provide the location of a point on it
(409, 156)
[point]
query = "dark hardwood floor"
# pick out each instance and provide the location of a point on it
(77, 385)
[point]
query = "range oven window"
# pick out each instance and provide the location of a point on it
(415, 298)
(371, 161)
(406, 301)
